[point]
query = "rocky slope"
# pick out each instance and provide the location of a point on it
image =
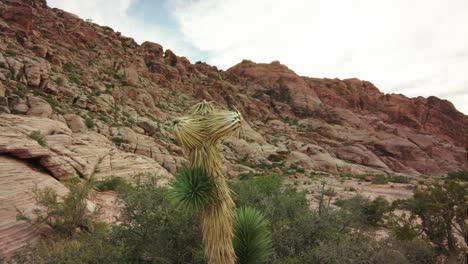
(79, 100)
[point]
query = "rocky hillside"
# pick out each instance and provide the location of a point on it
(79, 100)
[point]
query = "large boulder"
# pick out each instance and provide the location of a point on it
(39, 107)
(36, 74)
(130, 77)
(76, 123)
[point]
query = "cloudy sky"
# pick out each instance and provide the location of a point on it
(413, 47)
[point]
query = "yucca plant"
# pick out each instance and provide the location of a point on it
(193, 190)
(252, 241)
(199, 134)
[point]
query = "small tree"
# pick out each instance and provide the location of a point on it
(443, 211)
(370, 212)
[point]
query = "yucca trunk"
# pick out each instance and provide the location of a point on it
(217, 219)
(199, 134)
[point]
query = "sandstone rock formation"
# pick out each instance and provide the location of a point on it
(99, 104)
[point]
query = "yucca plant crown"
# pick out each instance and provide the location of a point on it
(193, 189)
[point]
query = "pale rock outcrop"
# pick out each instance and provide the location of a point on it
(17, 179)
(15, 66)
(2, 90)
(76, 123)
(130, 77)
(4, 106)
(20, 109)
(39, 107)
(105, 102)
(36, 74)
(148, 125)
(319, 162)
(40, 50)
(69, 154)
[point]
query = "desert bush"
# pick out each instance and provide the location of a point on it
(84, 248)
(60, 81)
(442, 210)
(418, 251)
(458, 175)
(380, 179)
(112, 183)
(65, 216)
(152, 230)
(10, 52)
(356, 248)
(119, 140)
(398, 179)
(36, 135)
(370, 212)
(294, 227)
(89, 122)
(68, 67)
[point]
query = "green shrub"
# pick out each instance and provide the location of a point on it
(415, 250)
(398, 179)
(20, 90)
(112, 183)
(119, 141)
(52, 101)
(356, 248)
(59, 81)
(84, 248)
(152, 230)
(294, 227)
(300, 170)
(89, 122)
(36, 135)
(459, 175)
(439, 211)
(64, 216)
(10, 52)
(12, 73)
(370, 212)
(380, 179)
(442, 210)
(68, 67)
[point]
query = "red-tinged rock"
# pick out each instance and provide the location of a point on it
(170, 57)
(40, 50)
(279, 82)
(153, 48)
(18, 17)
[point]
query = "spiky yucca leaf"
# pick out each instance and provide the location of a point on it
(193, 189)
(202, 108)
(189, 132)
(252, 241)
(223, 124)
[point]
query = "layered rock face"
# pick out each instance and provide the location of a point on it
(80, 100)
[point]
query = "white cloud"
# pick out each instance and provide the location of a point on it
(417, 47)
(114, 13)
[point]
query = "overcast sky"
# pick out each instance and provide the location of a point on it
(413, 47)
